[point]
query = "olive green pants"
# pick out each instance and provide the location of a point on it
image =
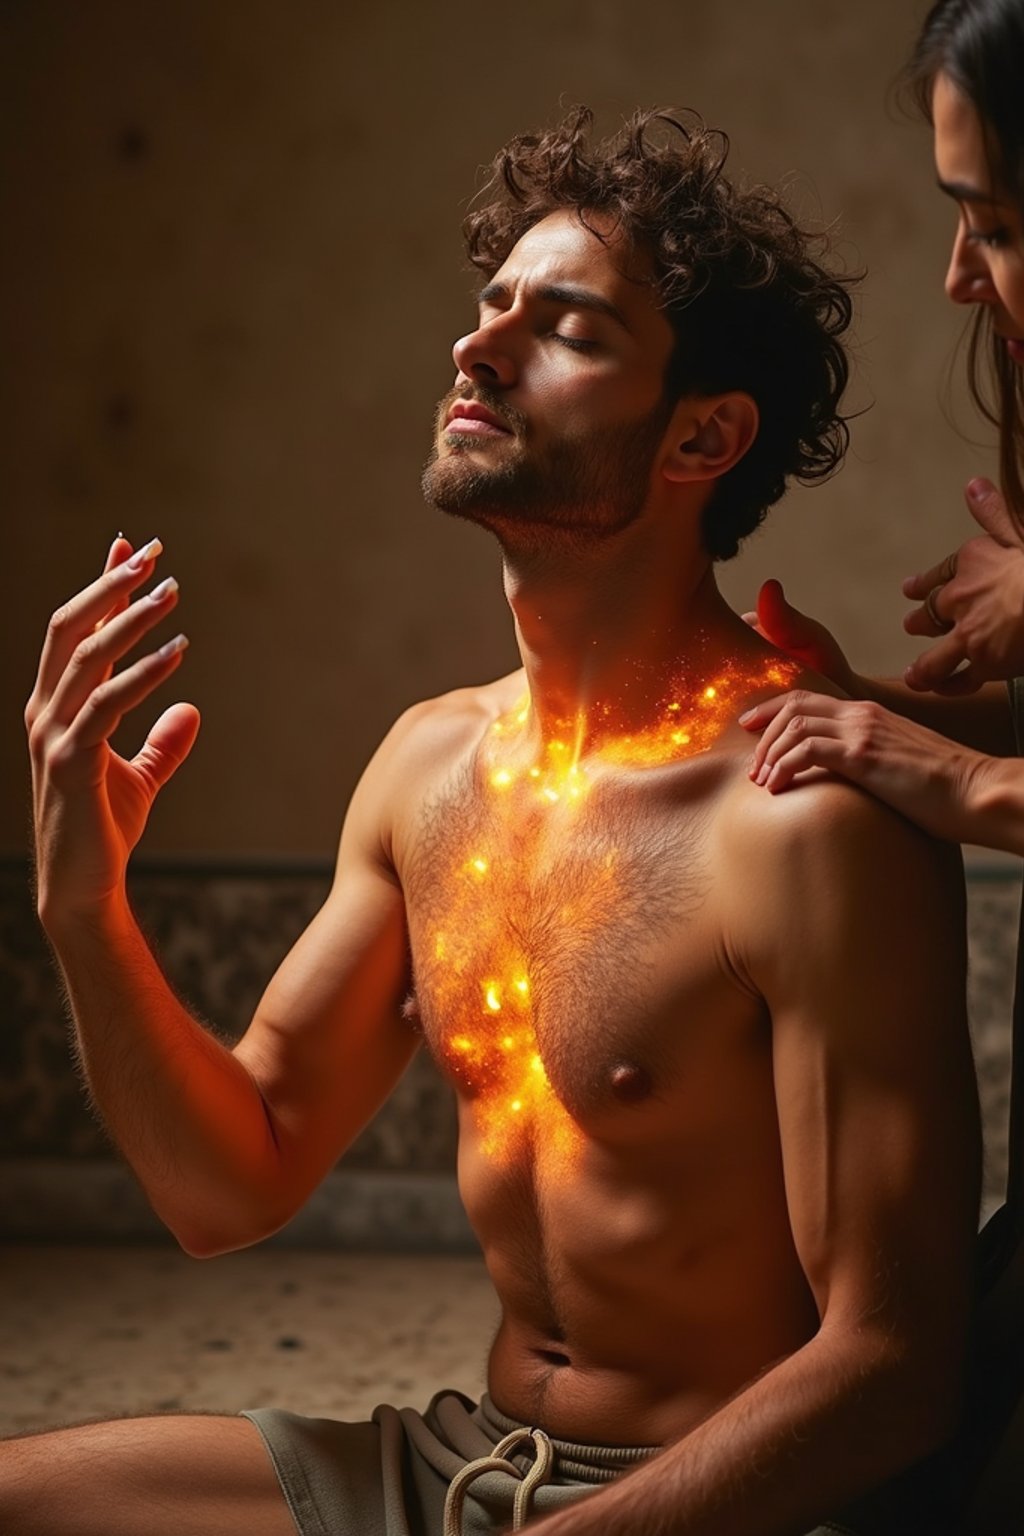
(456, 1470)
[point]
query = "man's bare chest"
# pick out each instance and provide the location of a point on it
(556, 943)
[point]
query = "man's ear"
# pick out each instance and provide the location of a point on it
(708, 435)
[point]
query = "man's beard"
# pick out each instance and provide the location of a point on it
(592, 484)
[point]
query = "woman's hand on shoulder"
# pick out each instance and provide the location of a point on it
(931, 780)
(972, 603)
(805, 639)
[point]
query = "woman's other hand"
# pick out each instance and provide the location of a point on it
(973, 601)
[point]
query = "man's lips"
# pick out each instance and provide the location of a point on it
(470, 417)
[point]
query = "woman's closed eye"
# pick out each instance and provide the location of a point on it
(989, 237)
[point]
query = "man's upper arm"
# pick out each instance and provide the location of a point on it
(858, 948)
(328, 1041)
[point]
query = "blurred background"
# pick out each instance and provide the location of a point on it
(230, 276)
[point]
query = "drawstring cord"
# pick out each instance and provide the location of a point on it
(497, 1461)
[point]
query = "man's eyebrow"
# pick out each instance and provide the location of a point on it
(570, 294)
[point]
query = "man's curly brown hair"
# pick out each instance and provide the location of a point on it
(751, 306)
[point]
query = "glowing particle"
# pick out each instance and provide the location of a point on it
(507, 1042)
(501, 778)
(674, 706)
(551, 794)
(516, 1106)
(522, 985)
(461, 1044)
(534, 773)
(536, 1065)
(710, 693)
(480, 865)
(493, 997)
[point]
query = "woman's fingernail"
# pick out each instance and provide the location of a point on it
(978, 489)
(164, 590)
(764, 775)
(748, 714)
(144, 555)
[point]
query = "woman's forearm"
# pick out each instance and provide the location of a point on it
(981, 720)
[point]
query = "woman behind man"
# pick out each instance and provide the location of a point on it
(940, 746)
(937, 750)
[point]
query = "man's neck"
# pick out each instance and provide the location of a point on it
(609, 633)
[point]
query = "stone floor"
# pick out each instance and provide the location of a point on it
(104, 1331)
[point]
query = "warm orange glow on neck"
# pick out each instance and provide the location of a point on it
(480, 978)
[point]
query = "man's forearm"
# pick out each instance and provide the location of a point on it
(812, 1433)
(185, 1113)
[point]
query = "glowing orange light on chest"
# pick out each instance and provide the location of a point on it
(480, 980)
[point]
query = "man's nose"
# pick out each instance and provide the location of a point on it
(968, 280)
(485, 356)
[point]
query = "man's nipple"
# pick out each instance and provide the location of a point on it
(630, 1083)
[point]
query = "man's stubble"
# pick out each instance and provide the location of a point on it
(592, 485)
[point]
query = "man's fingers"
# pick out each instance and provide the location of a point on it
(107, 705)
(168, 744)
(71, 623)
(93, 659)
(120, 551)
(988, 508)
(937, 664)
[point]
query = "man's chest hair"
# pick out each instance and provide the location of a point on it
(545, 935)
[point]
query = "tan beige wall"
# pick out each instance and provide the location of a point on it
(230, 275)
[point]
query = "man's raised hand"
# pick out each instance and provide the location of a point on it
(90, 805)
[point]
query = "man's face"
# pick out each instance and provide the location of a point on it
(558, 409)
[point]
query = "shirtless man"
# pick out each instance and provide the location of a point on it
(718, 1130)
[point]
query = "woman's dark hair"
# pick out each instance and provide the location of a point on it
(751, 307)
(979, 46)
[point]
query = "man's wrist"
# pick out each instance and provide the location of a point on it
(69, 926)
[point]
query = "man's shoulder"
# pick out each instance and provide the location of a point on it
(448, 722)
(826, 841)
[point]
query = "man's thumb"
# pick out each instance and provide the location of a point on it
(168, 743)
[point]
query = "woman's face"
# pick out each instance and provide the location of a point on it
(987, 264)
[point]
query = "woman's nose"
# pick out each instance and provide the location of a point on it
(968, 280)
